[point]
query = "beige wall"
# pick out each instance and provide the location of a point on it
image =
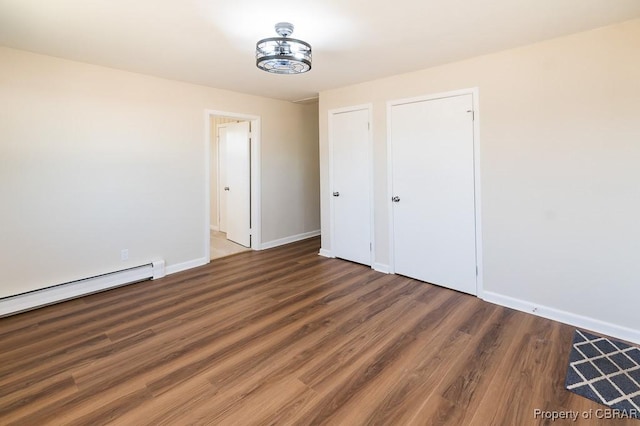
(294, 176)
(560, 169)
(95, 160)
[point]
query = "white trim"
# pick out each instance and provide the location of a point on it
(477, 186)
(60, 293)
(207, 186)
(218, 183)
(179, 267)
(476, 170)
(371, 192)
(433, 96)
(326, 253)
(332, 238)
(256, 187)
(576, 320)
(256, 206)
(214, 228)
(381, 267)
(291, 239)
(159, 269)
(369, 108)
(392, 249)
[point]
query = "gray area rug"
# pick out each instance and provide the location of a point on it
(606, 371)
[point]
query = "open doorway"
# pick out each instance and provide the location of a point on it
(233, 208)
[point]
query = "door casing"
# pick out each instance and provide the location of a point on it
(256, 235)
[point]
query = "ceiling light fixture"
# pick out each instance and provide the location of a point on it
(283, 55)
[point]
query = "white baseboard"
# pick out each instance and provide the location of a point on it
(214, 228)
(179, 267)
(59, 293)
(381, 267)
(159, 269)
(570, 318)
(288, 240)
(325, 253)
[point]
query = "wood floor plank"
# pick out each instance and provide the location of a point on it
(282, 336)
(29, 380)
(307, 337)
(513, 387)
(298, 357)
(267, 400)
(405, 389)
(139, 363)
(367, 345)
(340, 386)
(24, 401)
(464, 384)
(299, 309)
(378, 396)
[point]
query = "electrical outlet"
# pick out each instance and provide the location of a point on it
(124, 254)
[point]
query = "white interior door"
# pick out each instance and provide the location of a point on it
(238, 177)
(433, 188)
(222, 176)
(351, 182)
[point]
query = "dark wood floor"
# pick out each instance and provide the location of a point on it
(282, 337)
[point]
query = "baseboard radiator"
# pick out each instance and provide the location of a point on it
(59, 293)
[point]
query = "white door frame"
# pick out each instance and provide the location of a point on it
(369, 159)
(256, 214)
(476, 173)
(218, 192)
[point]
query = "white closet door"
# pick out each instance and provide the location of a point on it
(351, 192)
(433, 188)
(239, 183)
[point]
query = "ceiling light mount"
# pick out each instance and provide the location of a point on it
(284, 29)
(283, 55)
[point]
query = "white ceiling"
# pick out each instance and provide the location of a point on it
(212, 42)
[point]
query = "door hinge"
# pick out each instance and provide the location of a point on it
(370, 246)
(368, 126)
(476, 270)
(473, 114)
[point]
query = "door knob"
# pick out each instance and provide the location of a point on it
(336, 194)
(226, 188)
(395, 199)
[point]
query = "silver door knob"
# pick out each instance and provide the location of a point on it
(395, 199)
(336, 194)
(226, 188)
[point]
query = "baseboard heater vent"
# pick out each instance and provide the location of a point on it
(47, 296)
